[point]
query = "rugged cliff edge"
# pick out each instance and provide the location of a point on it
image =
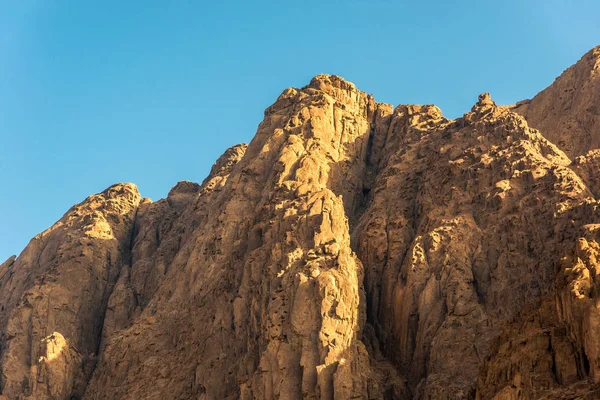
(568, 111)
(351, 250)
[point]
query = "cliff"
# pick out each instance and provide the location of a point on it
(350, 250)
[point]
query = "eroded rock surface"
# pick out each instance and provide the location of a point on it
(568, 111)
(54, 296)
(351, 250)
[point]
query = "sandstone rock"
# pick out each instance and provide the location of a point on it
(568, 111)
(588, 169)
(454, 238)
(351, 250)
(53, 297)
(268, 291)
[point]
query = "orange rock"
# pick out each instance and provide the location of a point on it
(351, 250)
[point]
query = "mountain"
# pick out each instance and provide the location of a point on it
(350, 250)
(568, 111)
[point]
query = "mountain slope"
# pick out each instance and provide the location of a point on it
(351, 250)
(568, 111)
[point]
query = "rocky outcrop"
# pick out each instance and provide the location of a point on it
(161, 229)
(550, 349)
(54, 296)
(268, 292)
(568, 111)
(588, 168)
(456, 235)
(351, 250)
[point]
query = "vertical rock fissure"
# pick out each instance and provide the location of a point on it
(126, 262)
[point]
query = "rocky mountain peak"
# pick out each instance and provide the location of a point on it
(568, 111)
(350, 250)
(184, 187)
(485, 100)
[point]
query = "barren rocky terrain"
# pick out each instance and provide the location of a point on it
(352, 250)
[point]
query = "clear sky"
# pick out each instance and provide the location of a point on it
(152, 92)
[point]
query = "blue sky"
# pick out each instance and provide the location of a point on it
(152, 92)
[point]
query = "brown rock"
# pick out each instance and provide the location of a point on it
(268, 291)
(351, 250)
(53, 297)
(568, 111)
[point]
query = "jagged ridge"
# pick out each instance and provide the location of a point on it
(351, 250)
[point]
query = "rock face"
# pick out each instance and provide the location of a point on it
(351, 250)
(568, 111)
(54, 297)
